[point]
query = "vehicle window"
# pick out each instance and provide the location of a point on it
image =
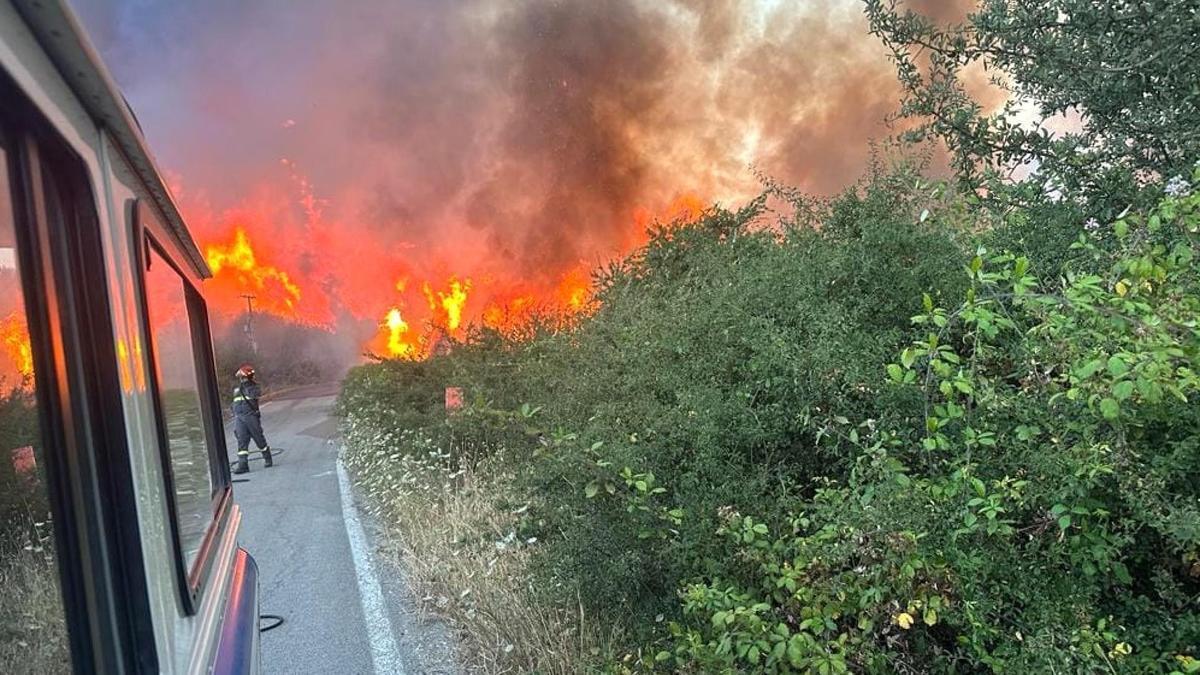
(33, 636)
(179, 392)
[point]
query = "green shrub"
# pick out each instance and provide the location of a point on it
(716, 463)
(693, 386)
(1043, 515)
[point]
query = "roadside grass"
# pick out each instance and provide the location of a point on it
(33, 635)
(455, 535)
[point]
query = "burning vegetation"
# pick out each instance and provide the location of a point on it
(14, 340)
(485, 155)
(421, 308)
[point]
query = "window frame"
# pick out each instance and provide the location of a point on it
(146, 230)
(86, 454)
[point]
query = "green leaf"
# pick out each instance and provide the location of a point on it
(1117, 366)
(895, 372)
(1122, 390)
(1064, 522)
(1110, 408)
(1088, 369)
(930, 617)
(1122, 573)
(980, 488)
(590, 490)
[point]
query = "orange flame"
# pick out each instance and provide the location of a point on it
(320, 278)
(237, 263)
(507, 306)
(574, 291)
(402, 343)
(447, 307)
(684, 208)
(14, 337)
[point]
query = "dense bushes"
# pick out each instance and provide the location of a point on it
(916, 429)
(719, 464)
(1042, 518)
(706, 370)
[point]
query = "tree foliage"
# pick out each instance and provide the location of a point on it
(1128, 71)
(1042, 516)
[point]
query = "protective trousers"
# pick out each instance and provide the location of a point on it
(246, 427)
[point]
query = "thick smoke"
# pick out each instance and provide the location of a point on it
(509, 142)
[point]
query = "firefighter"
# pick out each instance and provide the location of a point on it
(247, 420)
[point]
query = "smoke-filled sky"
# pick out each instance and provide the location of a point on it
(506, 141)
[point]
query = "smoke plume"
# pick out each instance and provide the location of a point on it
(368, 149)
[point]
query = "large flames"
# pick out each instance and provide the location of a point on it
(401, 341)
(280, 254)
(14, 339)
(447, 306)
(235, 262)
(489, 153)
(246, 262)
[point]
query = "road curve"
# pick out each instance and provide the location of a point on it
(346, 609)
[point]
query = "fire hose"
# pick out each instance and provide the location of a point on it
(271, 626)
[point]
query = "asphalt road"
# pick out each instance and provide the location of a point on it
(346, 609)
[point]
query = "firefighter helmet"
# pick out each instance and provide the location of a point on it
(246, 371)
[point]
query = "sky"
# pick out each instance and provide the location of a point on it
(370, 148)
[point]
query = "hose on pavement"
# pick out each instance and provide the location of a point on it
(272, 626)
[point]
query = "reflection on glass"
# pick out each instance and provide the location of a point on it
(172, 339)
(33, 634)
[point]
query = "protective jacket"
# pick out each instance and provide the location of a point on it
(245, 399)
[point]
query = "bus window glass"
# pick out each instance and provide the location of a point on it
(179, 392)
(32, 624)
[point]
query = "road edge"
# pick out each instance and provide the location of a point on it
(384, 652)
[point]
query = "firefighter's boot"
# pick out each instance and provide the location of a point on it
(243, 464)
(267, 461)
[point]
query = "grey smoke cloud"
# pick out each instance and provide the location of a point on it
(497, 139)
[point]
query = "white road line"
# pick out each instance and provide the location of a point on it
(384, 653)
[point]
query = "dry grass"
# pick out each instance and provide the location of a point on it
(33, 636)
(461, 553)
(465, 561)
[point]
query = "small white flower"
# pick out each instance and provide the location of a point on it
(1091, 225)
(1178, 187)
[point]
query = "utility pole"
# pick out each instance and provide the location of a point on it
(250, 322)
